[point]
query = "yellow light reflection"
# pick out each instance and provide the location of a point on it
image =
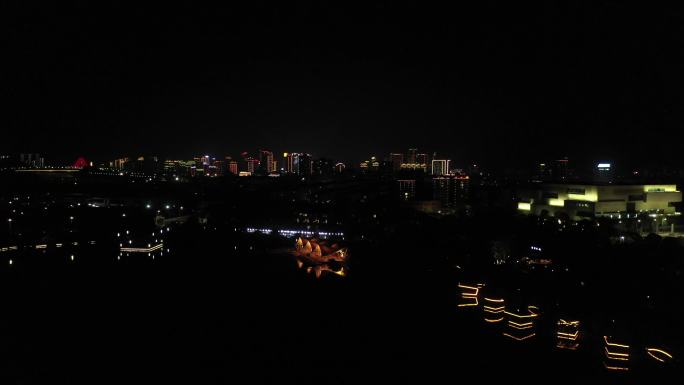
(520, 338)
(469, 303)
(653, 352)
(494, 300)
(605, 338)
(615, 367)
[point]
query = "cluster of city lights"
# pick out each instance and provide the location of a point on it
(292, 233)
(148, 249)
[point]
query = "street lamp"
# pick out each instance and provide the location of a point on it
(9, 224)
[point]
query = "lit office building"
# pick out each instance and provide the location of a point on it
(597, 200)
(202, 165)
(557, 170)
(370, 165)
(118, 164)
(415, 161)
(252, 165)
(407, 189)
(145, 165)
(233, 167)
(440, 166)
(603, 173)
(266, 161)
(450, 190)
(218, 168)
(170, 166)
(178, 167)
(288, 162)
(31, 160)
(298, 163)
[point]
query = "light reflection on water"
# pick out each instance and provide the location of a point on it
(521, 324)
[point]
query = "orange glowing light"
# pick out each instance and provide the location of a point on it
(469, 304)
(605, 338)
(520, 338)
(652, 352)
(494, 300)
(615, 367)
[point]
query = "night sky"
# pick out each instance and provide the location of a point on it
(498, 83)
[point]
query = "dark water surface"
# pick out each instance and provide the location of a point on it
(213, 316)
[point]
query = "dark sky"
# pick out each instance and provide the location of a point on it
(499, 83)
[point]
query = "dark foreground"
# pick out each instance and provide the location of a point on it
(213, 316)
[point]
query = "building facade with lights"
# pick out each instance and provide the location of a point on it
(440, 166)
(580, 201)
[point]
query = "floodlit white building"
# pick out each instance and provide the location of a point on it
(596, 200)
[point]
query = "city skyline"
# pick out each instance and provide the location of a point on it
(346, 83)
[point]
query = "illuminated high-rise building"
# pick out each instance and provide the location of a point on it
(233, 167)
(252, 165)
(218, 168)
(298, 163)
(450, 190)
(407, 189)
(339, 167)
(31, 160)
(179, 167)
(292, 162)
(266, 161)
(603, 173)
(371, 164)
(440, 166)
(118, 164)
(415, 161)
(147, 165)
